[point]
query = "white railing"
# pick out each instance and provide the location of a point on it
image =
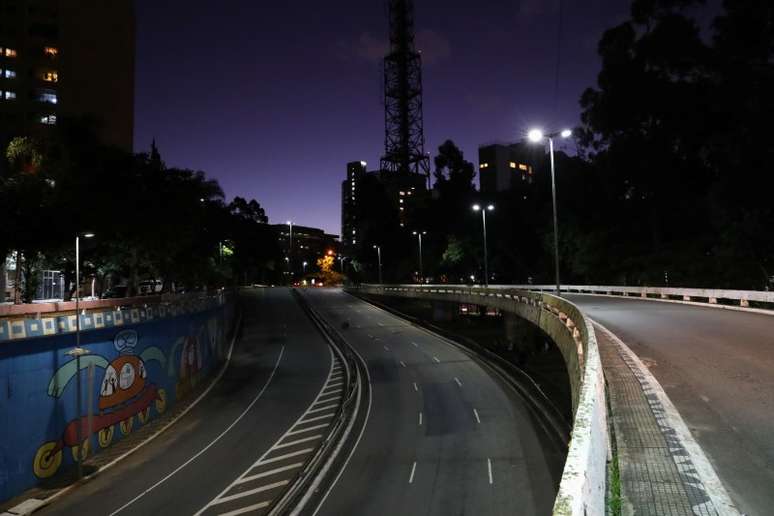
(583, 485)
(707, 295)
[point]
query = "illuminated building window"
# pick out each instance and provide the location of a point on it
(51, 76)
(401, 201)
(8, 74)
(403, 193)
(512, 164)
(49, 97)
(48, 119)
(51, 51)
(484, 165)
(9, 95)
(9, 52)
(401, 208)
(522, 166)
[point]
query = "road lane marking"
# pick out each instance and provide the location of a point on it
(326, 399)
(415, 387)
(413, 469)
(244, 510)
(386, 348)
(489, 467)
(475, 413)
(281, 457)
(212, 443)
(298, 441)
(249, 492)
(322, 408)
(269, 473)
(403, 363)
(331, 392)
(436, 359)
(379, 324)
(458, 381)
(307, 429)
(420, 419)
(415, 344)
(316, 418)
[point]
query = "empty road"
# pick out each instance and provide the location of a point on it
(443, 436)
(717, 366)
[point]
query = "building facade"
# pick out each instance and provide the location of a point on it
(65, 58)
(350, 188)
(502, 167)
(308, 245)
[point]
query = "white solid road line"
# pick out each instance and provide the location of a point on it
(298, 441)
(403, 363)
(436, 359)
(267, 487)
(413, 469)
(475, 413)
(415, 387)
(420, 419)
(269, 473)
(212, 443)
(415, 344)
(243, 510)
(489, 467)
(458, 381)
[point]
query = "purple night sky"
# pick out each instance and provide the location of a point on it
(273, 99)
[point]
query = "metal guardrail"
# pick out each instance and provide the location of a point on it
(583, 485)
(707, 295)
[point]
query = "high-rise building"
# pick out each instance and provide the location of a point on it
(350, 187)
(502, 167)
(67, 58)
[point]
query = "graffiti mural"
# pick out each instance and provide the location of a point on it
(140, 371)
(124, 393)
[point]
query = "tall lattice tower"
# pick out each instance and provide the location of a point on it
(404, 141)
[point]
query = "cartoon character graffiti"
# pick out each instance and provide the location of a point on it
(124, 393)
(190, 363)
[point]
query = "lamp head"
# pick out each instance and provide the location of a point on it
(88, 235)
(535, 135)
(566, 133)
(476, 207)
(490, 207)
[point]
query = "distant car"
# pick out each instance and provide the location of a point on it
(150, 287)
(115, 292)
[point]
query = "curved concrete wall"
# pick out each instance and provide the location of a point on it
(140, 370)
(582, 488)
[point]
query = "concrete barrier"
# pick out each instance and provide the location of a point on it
(583, 485)
(138, 368)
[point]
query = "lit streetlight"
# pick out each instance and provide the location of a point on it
(537, 136)
(379, 257)
(483, 210)
(419, 237)
(304, 266)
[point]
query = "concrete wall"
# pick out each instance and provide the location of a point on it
(140, 371)
(583, 486)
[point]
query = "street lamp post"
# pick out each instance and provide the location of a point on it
(78, 286)
(419, 237)
(290, 250)
(483, 210)
(536, 136)
(379, 257)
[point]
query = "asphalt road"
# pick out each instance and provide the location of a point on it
(717, 367)
(443, 437)
(278, 369)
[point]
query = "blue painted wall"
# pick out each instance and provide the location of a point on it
(140, 371)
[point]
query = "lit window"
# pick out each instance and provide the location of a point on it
(51, 76)
(51, 51)
(401, 208)
(401, 201)
(403, 193)
(8, 74)
(48, 119)
(9, 52)
(512, 164)
(10, 95)
(522, 166)
(48, 97)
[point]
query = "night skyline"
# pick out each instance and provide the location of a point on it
(293, 118)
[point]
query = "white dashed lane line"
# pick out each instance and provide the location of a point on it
(264, 481)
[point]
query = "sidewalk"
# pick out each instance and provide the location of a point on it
(657, 472)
